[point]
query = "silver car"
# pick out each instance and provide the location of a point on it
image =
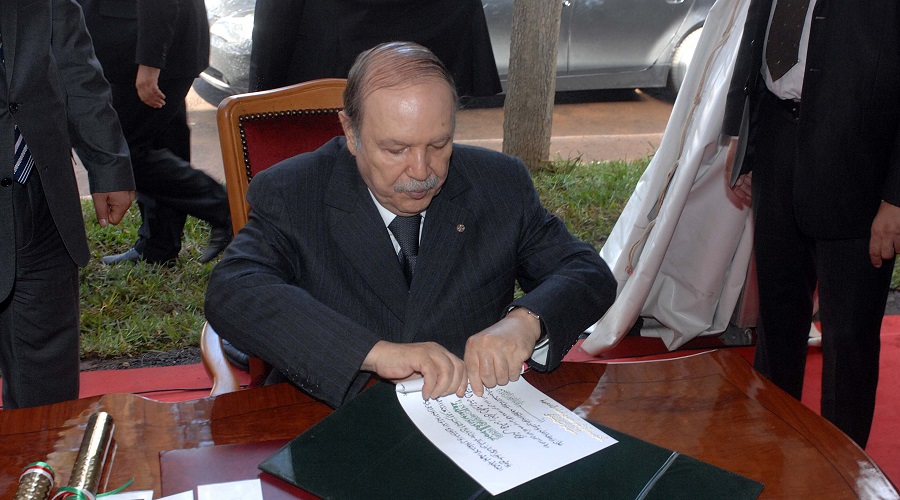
(603, 44)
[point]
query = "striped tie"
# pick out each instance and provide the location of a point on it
(24, 161)
(22, 156)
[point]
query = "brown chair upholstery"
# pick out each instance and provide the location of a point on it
(256, 131)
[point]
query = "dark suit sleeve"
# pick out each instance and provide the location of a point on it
(157, 21)
(746, 71)
(566, 282)
(891, 191)
(93, 124)
(253, 301)
(892, 184)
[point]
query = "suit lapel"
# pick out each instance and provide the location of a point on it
(443, 237)
(361, 236)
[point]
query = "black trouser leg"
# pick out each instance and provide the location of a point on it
(784, 257)
(852, 297)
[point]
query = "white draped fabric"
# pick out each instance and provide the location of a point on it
(681, 248)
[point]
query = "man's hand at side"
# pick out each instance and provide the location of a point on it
(444, 373)
(495, 355)
(147, 85)
(885, 240)
(111, 207)
(742, 187)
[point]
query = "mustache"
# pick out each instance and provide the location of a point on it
(414, 185)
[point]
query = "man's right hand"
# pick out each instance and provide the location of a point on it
(147, 85)
(111, 207)
(444, 373)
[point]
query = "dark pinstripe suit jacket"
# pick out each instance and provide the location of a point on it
(313, 282)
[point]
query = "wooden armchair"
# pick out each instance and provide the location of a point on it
(260, 129)
(256, 131)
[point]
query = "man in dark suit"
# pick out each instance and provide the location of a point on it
(822, 135)
(52, 97)
(298, 40)
(322, 284)
(151, 51)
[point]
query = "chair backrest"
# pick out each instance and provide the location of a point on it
(256, 131)
(259, 129)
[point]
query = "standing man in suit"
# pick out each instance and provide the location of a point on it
(52, 97)
(298, 40)
(395, 252)
(818, 92)
(151, 51)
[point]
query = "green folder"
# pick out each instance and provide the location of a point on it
(370, 449)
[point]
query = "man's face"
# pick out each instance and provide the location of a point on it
(404, 143)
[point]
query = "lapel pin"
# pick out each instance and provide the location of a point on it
(460, 228)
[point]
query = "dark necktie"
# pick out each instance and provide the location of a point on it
(23, 162)
(785, 30)
(406, 231)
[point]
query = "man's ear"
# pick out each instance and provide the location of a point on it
(349, 133)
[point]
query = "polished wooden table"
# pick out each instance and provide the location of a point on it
(711, 406)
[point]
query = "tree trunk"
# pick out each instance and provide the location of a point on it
(528, 110)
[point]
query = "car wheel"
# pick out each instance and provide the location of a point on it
(681, 59)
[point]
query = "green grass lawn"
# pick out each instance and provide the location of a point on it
(132, 309)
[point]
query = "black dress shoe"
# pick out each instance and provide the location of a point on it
(131, 255)
(134, 256)
(218, 241)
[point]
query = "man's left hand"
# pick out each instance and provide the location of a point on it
(495, 355)
(885, 240)
(111, 207)
(741, 192)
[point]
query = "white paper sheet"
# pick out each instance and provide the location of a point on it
(184, 495)
(513, 434)
(250, 489)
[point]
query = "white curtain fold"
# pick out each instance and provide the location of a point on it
(681, 247)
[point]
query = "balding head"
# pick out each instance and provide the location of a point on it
(391, 65)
